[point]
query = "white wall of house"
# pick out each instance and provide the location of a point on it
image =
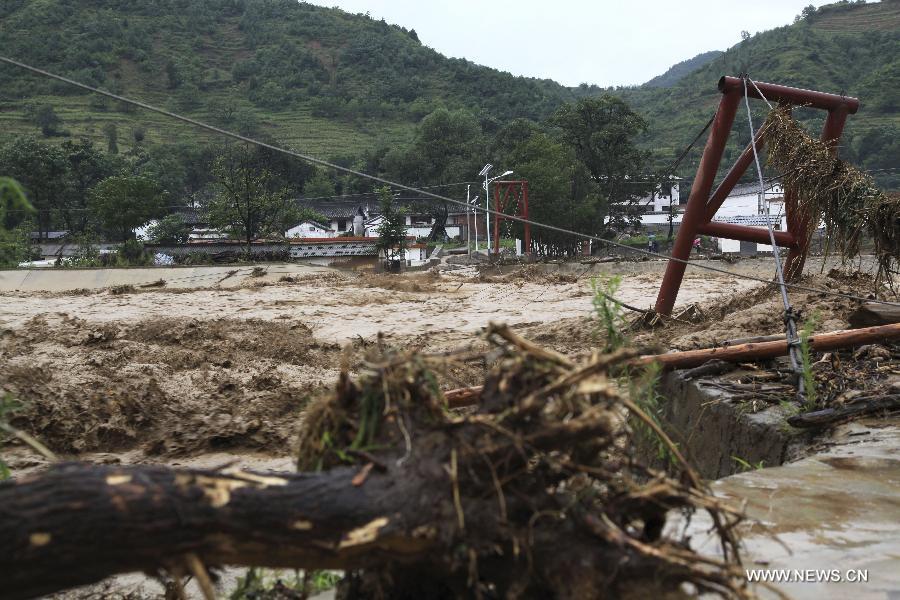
(371, 228)
(661, 199)
(199, 235)
(416, 256)
(745, 202)
(308, 229)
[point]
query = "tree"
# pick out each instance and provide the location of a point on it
(319, 186)
(182, 170)
(446, 149)
(602, 132)
(14, 209)
(121, 204)
(139, 133)
(44, 117)
(41, 169)
(250, 201)
(173, 75)
(86, 167)
(171, 229)
(392, 230)
(112, 138)
(558, 186)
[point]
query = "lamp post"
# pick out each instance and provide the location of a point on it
(487, 199)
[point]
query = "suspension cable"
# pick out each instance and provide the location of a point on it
(789, 322)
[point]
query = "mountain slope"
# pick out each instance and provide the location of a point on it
(336, 84)
(317, 78)
(682, 69)
(842, 48)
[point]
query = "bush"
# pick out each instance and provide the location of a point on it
(169, 230)
(132, 253)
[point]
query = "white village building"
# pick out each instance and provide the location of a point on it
(342, 213)
(743, 206)
(310, 229)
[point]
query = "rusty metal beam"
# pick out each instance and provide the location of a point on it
(702, 206)
(789, 95)
(747, 234)
(504, 192)
(696, 207)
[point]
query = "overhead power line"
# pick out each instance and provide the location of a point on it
(331, 165)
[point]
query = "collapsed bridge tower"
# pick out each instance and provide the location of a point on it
(703, 202)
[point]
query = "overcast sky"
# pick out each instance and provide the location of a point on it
(606, 42)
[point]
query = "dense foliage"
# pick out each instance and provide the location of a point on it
(13, 242)
(338, 84)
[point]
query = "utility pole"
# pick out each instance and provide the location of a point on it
(487, 204)
(475, 213)
(468, 232)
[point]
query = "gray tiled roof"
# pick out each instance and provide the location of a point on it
(743, 189)
(347, 207)
(753, 220)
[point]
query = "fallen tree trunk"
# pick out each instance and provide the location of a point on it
(80, 523)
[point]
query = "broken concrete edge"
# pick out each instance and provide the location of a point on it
(720, 437)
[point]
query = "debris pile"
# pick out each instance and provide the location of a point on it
(832, 191)
(535, 493)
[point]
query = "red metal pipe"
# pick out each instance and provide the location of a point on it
(696, 206)
(789, 95)
(527, 225)
(520, 194)
(747, 234)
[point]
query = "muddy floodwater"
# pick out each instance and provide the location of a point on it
(216, 366)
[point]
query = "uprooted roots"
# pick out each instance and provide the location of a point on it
(536, 493)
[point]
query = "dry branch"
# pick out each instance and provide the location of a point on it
(746, 352)
(832, 191)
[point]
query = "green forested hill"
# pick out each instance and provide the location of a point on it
(338, 85)
(317, 78)
(680, 70)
